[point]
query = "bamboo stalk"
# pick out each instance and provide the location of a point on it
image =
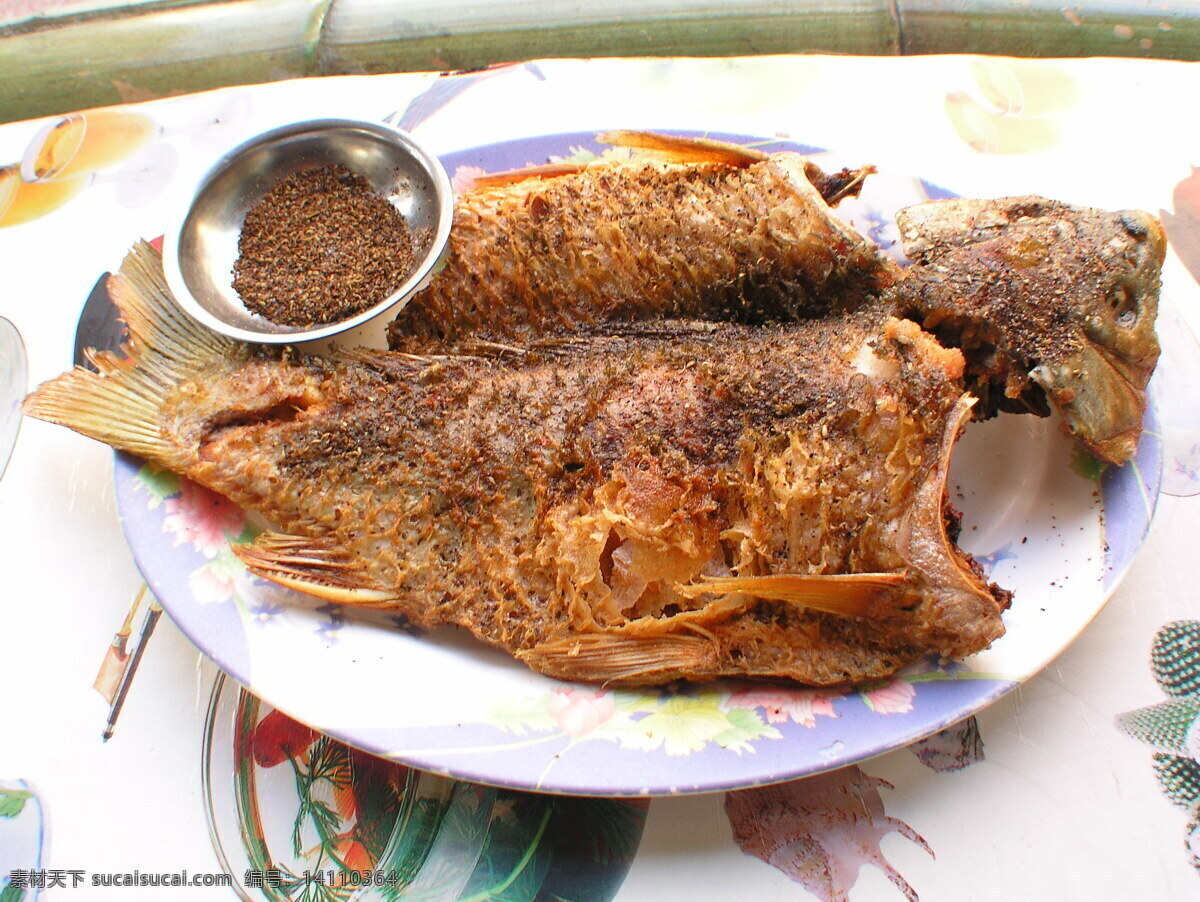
(374, 36)
(79, 57)
(69, 62)
(1052, 28)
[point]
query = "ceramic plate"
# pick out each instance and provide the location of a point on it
(1052, 527)
(300, 817)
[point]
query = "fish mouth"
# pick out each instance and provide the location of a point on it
(1106, 422)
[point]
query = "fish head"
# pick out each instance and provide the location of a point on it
(1119, 315)
(1100, 388)
(1053, 305)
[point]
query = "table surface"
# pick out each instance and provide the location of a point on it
(1054, 801)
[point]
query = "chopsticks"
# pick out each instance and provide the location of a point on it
(120, 664)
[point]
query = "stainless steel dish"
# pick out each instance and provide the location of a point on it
(200, 248)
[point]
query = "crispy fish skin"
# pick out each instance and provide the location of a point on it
(692, 501)
(1053, 304)
(746, 238)
(1050, 303)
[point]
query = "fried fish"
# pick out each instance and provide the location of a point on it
(657, 420)
(672, 500)
(1053, 305)
(688, 229)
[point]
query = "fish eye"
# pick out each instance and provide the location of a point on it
(1134, 224)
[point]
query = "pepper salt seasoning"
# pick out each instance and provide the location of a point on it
(320, 247)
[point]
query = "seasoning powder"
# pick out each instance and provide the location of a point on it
(320, 247)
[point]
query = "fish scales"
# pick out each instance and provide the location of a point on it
(627, 508)
(669, 500)
(1053, 304)
(644, 240)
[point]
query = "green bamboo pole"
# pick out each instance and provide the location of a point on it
(376, 36)
(68, 62)
(77, 57)
(1050, 28)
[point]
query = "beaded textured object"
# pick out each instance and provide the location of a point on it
(1172, 727)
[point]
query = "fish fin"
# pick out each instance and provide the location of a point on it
(617, 658)
(835, 187)
(513, 176)
(846, 595)
(120, 404)
(315, 566)
(683, 150)
(162, 337)
(665, 147)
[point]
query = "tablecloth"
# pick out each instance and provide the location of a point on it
(1057, 791)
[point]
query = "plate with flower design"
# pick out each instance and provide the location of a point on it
(1057, 530)
(296, 816)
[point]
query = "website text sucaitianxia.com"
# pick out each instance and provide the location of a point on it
(71, 879)
(66, 878)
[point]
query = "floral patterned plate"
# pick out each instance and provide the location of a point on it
(1056, 529)
(295, 815)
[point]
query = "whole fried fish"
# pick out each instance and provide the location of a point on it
(691, 228)
(1053, 305)
(685, 501)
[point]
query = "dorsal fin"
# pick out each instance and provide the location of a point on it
(683, 150)
(512, 176)
(833, 187)
(669, 148)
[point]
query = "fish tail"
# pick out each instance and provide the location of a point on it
(115, 406)
(121, 402)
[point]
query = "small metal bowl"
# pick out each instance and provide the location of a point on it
(200, 249)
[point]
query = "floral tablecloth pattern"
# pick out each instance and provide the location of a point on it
(1081, 784)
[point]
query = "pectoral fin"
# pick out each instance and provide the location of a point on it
(314, 566)
(846, 595)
